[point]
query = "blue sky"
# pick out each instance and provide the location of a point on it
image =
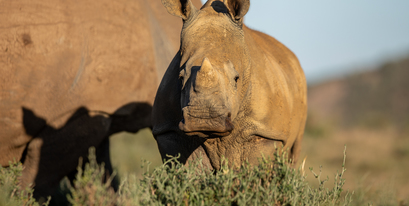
(333, 38)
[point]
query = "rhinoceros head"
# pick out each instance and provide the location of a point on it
(213, 61)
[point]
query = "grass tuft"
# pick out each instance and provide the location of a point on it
(10, 192)
(272, 182)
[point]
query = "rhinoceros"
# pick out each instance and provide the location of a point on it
(229, 92)
(74, 72)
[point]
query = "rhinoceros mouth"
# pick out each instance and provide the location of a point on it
(206, 122)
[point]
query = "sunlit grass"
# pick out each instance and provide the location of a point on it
(272, 182)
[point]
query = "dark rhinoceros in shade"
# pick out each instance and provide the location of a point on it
(229, 91)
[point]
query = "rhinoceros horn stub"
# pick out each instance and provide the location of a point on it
(206, 78)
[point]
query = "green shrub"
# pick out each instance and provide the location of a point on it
(10, 192)
(88, 188)
(272, 182)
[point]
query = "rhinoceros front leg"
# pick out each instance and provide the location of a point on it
(54, 153)
(189, 148)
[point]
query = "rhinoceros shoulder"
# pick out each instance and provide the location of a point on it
(266, 44)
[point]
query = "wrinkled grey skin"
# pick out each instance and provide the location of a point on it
(230, 91)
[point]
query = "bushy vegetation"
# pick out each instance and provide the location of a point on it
(273, 182)
(10, 192)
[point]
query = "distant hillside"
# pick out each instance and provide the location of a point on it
(374, 98)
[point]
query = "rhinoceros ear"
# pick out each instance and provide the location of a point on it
(238, 8)
(180, 8)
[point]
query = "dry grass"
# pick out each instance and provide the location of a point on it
(377, 160)
(271, 182)
(128, 150)
(376, 169)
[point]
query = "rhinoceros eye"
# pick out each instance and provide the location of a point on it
(182, 76)
(236, 78)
